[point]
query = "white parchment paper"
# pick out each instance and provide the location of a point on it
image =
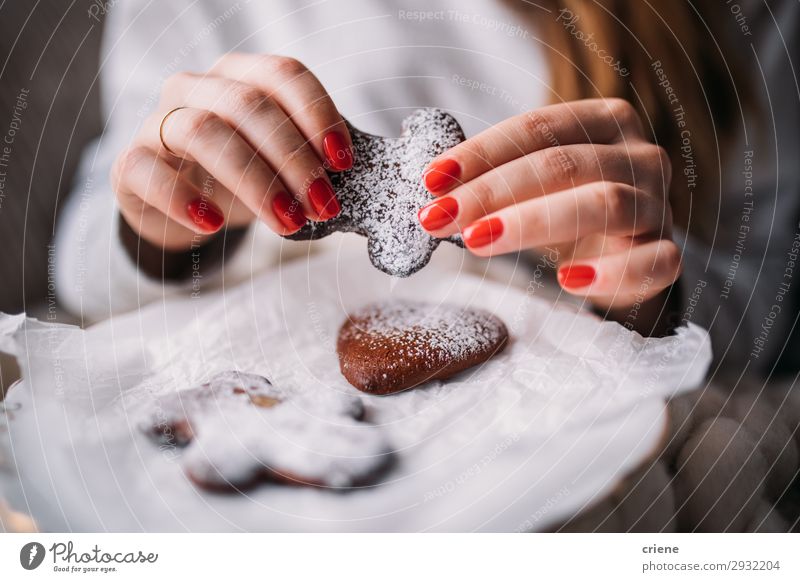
(522, 442)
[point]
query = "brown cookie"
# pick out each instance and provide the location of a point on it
(387, 347)
(170, 423)
(238, 430)
(382, 193)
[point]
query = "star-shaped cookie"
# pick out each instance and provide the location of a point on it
(382, 193)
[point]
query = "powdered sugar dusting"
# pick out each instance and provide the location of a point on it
(238, 428)
(332, 452)
(441, 334)
(383, 192)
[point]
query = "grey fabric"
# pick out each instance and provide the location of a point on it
(49, 54)
(729, 463)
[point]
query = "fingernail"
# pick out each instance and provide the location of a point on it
(441, 175)
(483, 232)
(576, 276)
(438, 213)
(323, 199)
(205, 214)
(289, 211)
(339, 154)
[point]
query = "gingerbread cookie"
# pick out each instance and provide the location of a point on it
(238, 430)
(387, 347)
(382, 193)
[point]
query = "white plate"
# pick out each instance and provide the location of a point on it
(530, 438)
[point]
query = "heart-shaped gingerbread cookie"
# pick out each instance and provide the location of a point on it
(388, 347)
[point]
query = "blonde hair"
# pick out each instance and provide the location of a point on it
(664, 57)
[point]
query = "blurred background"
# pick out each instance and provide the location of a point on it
(49, 110)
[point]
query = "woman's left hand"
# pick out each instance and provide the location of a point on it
(578, 176)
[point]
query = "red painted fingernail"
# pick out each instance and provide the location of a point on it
(323, 199)
(441, 175)
(205, 214)
(576, 276)
(289, 211)
(483, 232)
(339, 154)
(438, 213)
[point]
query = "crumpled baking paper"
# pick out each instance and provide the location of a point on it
(523, 442)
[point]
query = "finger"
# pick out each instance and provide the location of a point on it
(301, 96)
(266, 127)
(605, 208)
(143, 180)
(538, 174)
(597, 121)
(639, 273)
(201, 136)
(236, 213)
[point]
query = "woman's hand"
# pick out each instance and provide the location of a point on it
(250, 139)
(579, 177)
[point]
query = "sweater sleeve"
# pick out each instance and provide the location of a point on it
(144, 43)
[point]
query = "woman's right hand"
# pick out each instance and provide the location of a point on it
(251, 139)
